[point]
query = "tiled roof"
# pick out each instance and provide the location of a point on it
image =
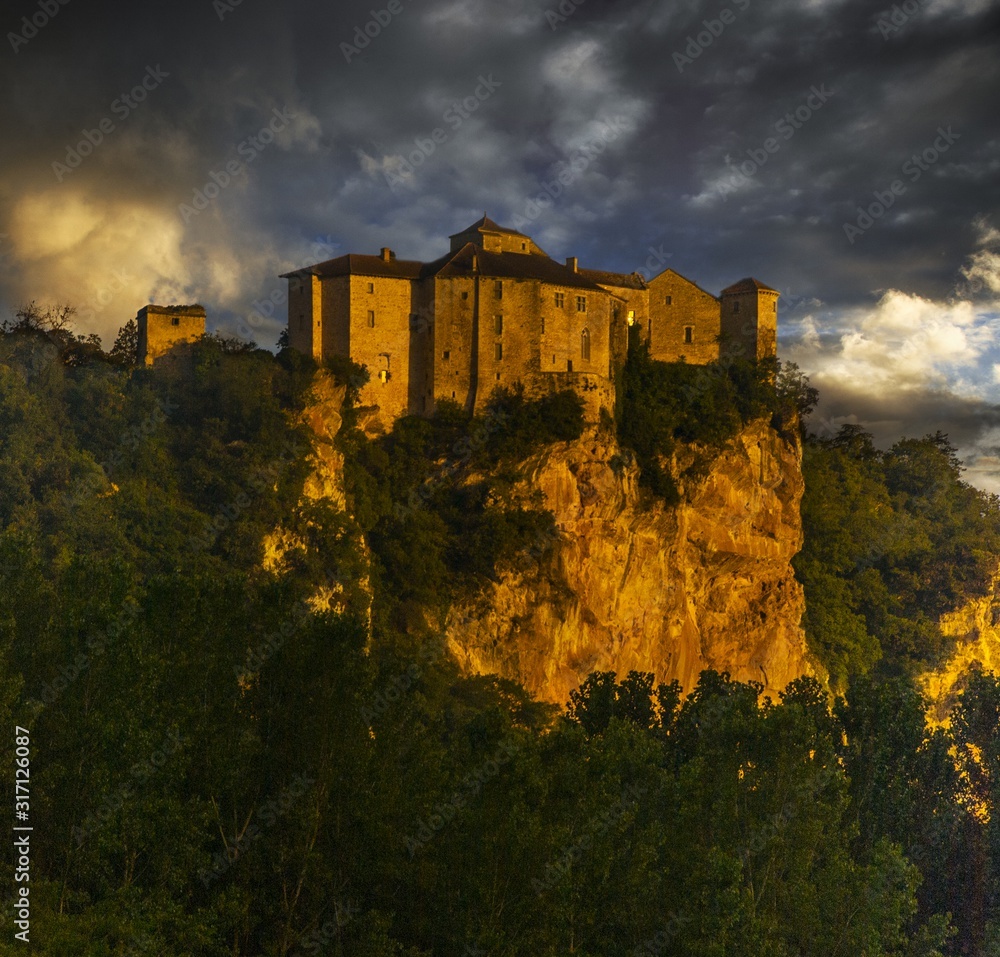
(355, 265)
(487, 225)
(626, 280)
(510, 266)
(747, 285)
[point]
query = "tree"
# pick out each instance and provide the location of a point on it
(125, 351)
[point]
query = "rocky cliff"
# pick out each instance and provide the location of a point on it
(632, 584)
(628, 583)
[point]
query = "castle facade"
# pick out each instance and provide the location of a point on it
(497, 311)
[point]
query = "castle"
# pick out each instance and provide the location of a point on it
(497, 311)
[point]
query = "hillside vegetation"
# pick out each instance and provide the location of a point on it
(220, 767)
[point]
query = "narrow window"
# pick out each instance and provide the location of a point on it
(465, 295)
(543, 325)
(631, 317)
(175, 320)
(447, 355)
(524, 246)
(775, 305)
(498, 289)
(498, 377)
(498, 325)
(581, 303)
(569, 365)
(736, 307)
(688, 334)
(560, 300)
(371, 318)
(498, 351)
(585, 345)
(669, 300)
(371, 287)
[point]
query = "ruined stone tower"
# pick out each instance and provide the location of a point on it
(161, 328)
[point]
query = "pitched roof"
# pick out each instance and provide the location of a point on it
(626, 280)
(354, 265)
(674, 273)
(488, 226)
(747, 285)
(510, 266)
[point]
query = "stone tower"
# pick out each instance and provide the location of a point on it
(749, 319)
(163, 327)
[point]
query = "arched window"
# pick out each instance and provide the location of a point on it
(585, 345)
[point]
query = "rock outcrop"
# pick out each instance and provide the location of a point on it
(975, 628)
(632, 584)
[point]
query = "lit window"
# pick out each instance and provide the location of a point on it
(498, 289)
(498, 351)
(688, 334)
(498, 325)
(581, 303)
(371, 318)
(560, 300)
(585, 345)
(631, 317)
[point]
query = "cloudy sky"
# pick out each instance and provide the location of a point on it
(844, 151)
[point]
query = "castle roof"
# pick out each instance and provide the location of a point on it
(510, 266)
(356, 265)
(604, 278)
(747, 285)
(486, 225)
(467, 261)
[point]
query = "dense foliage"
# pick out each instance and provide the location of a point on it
(439, 500)
(662, 404)
(893, 539)
(220, 765)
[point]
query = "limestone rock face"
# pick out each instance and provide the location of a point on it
(976, 630)
(634, 585)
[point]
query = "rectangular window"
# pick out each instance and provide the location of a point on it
(581, 303)
(498, 289)
(688, 334)
(446, 355)
(498, 351)
(736, 307)
(465, 295)
(371, 318)
(560, 300)
(543, 325)
(669, 300)
(371, 287)
(498, 325)
(776, 305)
(175, 321)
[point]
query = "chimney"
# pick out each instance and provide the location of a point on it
(387, 254)
(572, 263)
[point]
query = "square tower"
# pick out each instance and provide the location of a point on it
(160, 328)
(750, 319)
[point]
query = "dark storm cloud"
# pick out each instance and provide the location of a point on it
(722, 138)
